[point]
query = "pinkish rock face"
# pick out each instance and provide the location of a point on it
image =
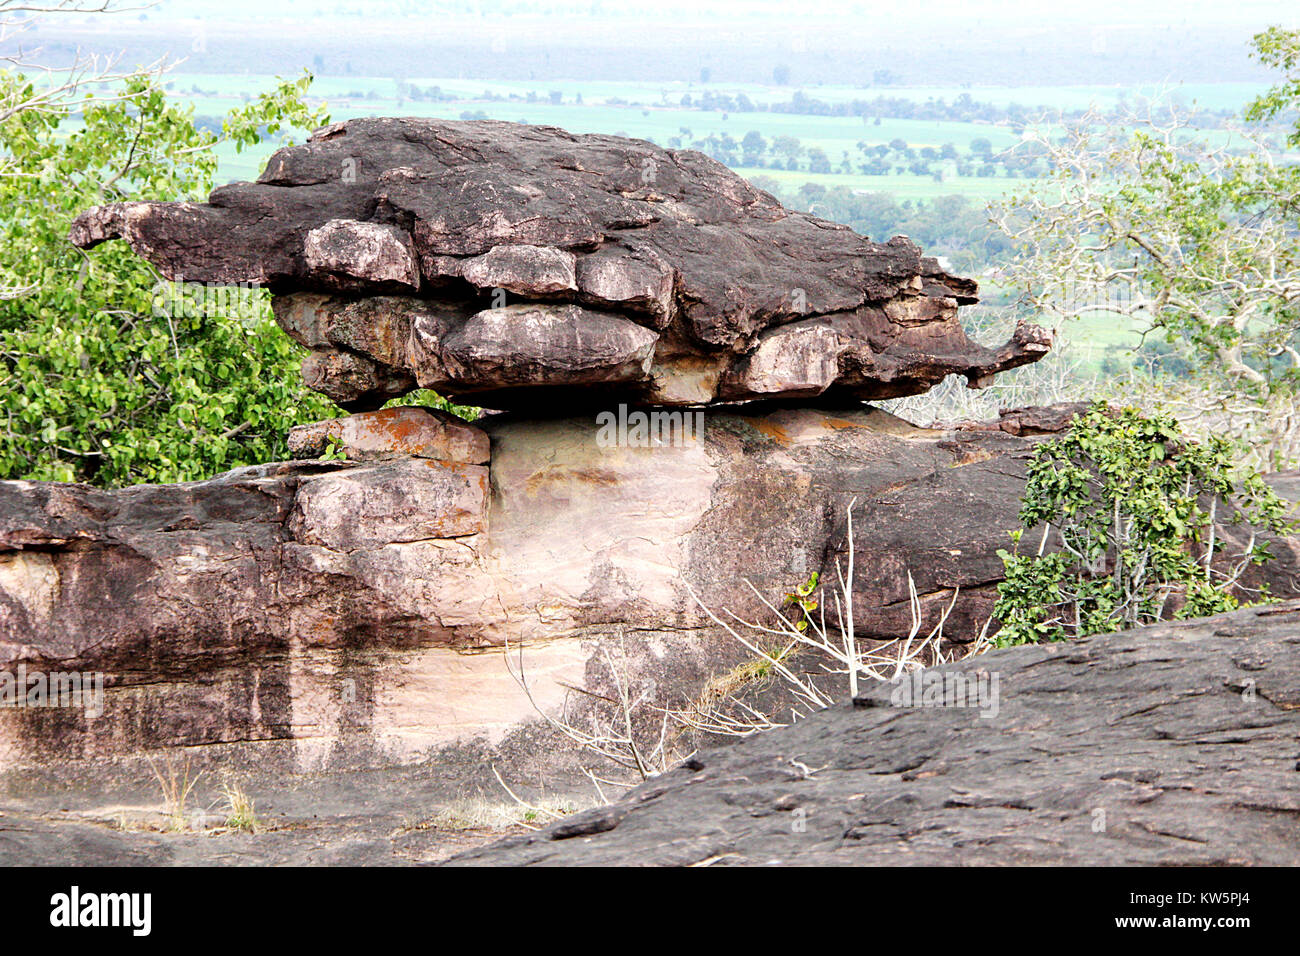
(298, 608)
(646, 275)
(619, 280)
(523, 269)
(350, 251)
(540, 345)
(394, 433)
(801, 358)
(411, 500)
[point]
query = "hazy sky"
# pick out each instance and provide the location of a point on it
(1025, 12)
(919, 42)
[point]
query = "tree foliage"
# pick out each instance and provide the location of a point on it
(1279, 49)
(105, 375)
(1129, 508)
(1192, 236)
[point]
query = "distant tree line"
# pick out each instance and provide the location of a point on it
(950, 226)
(895, 157)
(962, 109)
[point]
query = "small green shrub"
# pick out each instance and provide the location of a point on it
(1130, 509)
(431, 399)
(802, 598)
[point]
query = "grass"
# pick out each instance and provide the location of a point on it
(176, 784)
(900, 186)
(477, 814)
(240, 811)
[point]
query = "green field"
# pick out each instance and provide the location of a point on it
(660, 120)
(1208, 95)
(904, 186)
(652, 112)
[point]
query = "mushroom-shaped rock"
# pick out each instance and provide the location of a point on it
(482, 257)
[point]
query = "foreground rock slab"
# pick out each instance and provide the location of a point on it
(1176, 744)
(523, 266)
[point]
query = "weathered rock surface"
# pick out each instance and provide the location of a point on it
(1144, 748)
(341, 610)
(1177, 744)
(394, 433)
(518, 263)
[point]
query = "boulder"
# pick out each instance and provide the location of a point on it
(1170, 745)
(343, 249)
(607, 269)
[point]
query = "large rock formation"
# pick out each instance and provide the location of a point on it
(1166, 745)
(337, 611)
(348, 614)
(523, 266)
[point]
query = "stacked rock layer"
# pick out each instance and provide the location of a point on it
(526, 267)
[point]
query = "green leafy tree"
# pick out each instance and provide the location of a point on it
(1129, 510)
(753, 146)
(104, 376)
(789, 147)
(1194, 239)
(1279, 49)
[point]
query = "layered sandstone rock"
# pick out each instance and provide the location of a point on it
(523, 266)
(355, 610)
(393, 433)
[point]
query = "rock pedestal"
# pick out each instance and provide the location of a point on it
(354, 612)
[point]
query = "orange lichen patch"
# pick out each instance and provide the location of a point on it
(770, 429)
(389, 432)
(391, 429)
(398, 427)
(556, 474)
(969, 456)
(838, 423)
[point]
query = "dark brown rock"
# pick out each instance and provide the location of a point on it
(1038, 420)
(732, 296)
(1166, 745)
